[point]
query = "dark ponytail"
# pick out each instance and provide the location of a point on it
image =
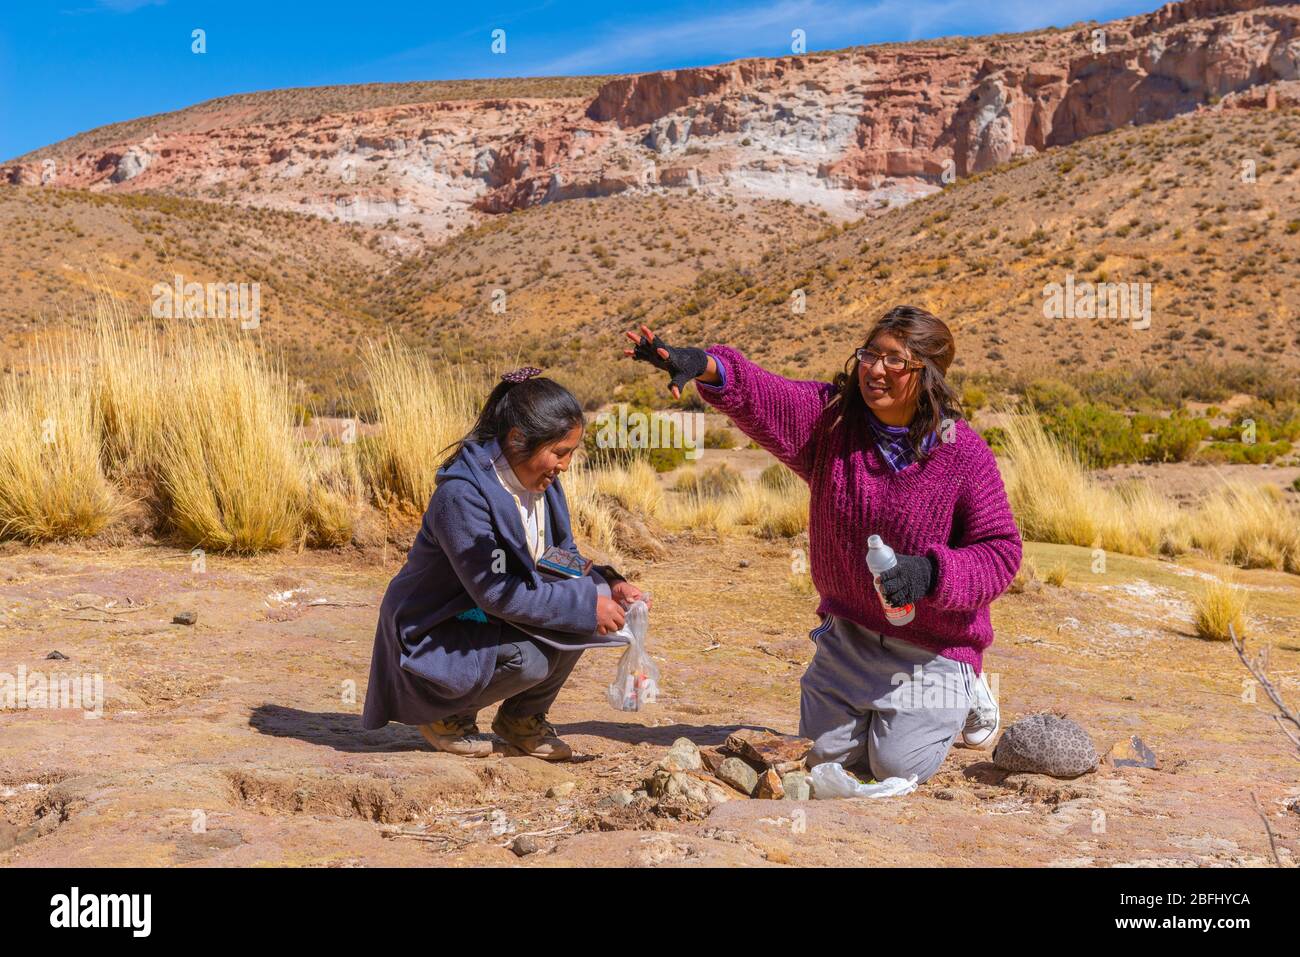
(541, 409)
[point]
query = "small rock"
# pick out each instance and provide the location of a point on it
(797, 786)
(692, 787)
(561, 790)
(185, 618)
(712, 759)
(769, 786)
(944, 795)
(739, 775)
(617, 799)
(657, 783)
(524, 845)
(1133, 753)
(56, 656)
(784, 752)
(744, 563)
(682, 756)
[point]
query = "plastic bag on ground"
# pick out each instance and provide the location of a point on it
(636, 682)
(832, 781)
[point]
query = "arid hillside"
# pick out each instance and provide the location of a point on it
(851, 131)
(1205, 209)
(62, 247)
(768, 203)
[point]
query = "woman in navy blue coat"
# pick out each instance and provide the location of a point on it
(470, 620)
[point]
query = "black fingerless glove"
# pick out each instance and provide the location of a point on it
(909, 581)
(682, 365)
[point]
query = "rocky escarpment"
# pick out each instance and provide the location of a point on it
(852, 131)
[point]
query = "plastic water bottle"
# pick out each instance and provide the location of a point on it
(881, 558)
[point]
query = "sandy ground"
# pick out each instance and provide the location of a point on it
(236, 741)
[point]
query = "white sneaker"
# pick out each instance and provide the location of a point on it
(984, 719)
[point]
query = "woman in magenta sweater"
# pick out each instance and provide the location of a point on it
(885, 452)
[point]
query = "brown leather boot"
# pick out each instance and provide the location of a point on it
(457, 735)
(533, 736)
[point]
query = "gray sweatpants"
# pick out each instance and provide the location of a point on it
(881, 706)
(527, 679)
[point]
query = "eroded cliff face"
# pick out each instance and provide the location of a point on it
(850, 132)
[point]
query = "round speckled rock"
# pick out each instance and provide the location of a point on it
(1046, 744)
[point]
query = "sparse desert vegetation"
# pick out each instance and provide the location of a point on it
(198, 425)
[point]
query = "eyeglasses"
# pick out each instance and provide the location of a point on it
(893, 363)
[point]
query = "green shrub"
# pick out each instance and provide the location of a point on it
(665, 447)
(973, 398)
(996, 438)
(719, 438)
(1101, 437)
(1175, 439)
(1052, 396)
(1240, 453)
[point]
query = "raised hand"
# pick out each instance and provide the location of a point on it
(681, 364)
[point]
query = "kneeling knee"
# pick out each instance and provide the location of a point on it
(894, 764)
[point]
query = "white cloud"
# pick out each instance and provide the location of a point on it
(128, 6)
(765, 30)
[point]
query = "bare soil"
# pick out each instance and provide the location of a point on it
(236, 741)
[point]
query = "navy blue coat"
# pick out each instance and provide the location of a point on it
(471, 551)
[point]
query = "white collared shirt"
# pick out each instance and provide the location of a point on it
(531, 505)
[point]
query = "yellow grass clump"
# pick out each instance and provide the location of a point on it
(1217, 606)
(634, 485)
(1247, 525)
(1055, 499)
(52, 483)
(197, 410)
(696, 510)
(592, 520)
(230, 463)
(421, 409)
(1057, 574)
(772, 512)
(130, 367)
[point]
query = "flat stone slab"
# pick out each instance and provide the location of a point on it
(781, 752)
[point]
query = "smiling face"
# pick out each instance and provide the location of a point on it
(892, 396)
(539, 470)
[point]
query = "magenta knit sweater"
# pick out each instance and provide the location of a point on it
(952, 506)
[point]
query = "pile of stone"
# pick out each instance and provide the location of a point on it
(750, 764)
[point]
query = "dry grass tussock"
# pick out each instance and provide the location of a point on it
(200, 417)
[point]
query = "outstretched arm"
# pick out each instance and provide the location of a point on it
(780, 414)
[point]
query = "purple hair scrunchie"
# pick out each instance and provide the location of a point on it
(520, 374)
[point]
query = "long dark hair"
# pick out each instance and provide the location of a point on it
(930, 342)
(541, 409)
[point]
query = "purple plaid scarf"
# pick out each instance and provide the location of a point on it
(892, 442)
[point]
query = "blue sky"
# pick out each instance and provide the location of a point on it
(70, 65)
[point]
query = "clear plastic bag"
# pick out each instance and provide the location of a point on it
(636, 682)
(832, 781)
